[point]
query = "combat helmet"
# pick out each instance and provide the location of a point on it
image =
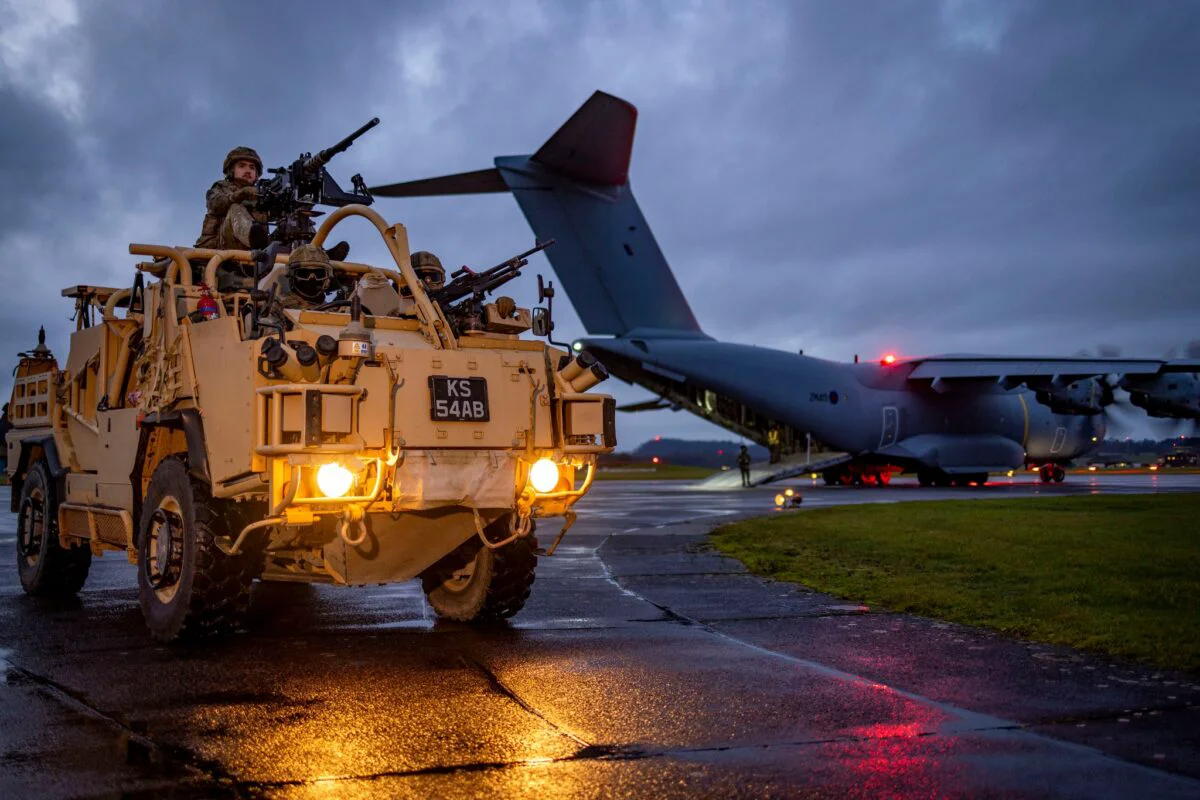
(241, 154)
(309, 272)
(429, 269)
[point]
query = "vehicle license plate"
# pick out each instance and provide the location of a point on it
(458, 399)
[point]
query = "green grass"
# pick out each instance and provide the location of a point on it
(1117, 574)
(652, 472)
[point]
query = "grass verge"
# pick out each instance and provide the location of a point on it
(1116, 574)
(653, 472)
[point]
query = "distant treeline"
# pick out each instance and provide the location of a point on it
(713, 454)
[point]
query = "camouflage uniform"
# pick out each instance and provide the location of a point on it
(307, 278)
(230, 210)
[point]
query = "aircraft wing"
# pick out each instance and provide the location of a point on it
(1012, 371)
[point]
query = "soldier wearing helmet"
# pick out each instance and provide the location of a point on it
(231, 221)
(429, 270)
(307, 279)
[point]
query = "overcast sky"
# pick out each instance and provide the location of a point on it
(842, 177)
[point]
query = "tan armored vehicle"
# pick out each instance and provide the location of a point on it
(217, 436)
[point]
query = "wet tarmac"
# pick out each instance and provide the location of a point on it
(644, 665)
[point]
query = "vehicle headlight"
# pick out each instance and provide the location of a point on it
(334, 480)
(543, 475)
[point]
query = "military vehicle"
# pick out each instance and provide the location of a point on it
(218, 436)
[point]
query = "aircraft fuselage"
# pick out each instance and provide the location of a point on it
(865, 409)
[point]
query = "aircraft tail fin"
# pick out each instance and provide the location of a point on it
(575, 189)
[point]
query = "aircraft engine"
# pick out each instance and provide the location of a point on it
(1087, 396)
(1171, 395)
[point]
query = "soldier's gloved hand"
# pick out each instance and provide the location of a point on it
(245, 194)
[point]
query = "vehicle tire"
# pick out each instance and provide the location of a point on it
(187, 587)
(45, 566)
(1045, 473)
(925, 478)
(479, 584)
(1059, 474)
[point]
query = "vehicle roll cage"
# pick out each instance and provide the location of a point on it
(178, 272)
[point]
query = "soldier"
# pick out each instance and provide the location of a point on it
(307, 279)
(231, 221)
(743, 462)
(429, 269)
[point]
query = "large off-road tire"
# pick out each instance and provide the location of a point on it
(45, 566)
(479, 584)
(187, 587)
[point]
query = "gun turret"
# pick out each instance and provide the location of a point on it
(290, 195)
(463, 298)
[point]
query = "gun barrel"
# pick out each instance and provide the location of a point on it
(322, 158)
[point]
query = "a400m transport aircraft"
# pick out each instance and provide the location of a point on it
(951, 418)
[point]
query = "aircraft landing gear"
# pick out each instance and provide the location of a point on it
(1052, 472)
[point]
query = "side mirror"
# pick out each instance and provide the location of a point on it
(541, 322)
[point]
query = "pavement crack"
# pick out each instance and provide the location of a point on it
(499, 686)
(139, 747)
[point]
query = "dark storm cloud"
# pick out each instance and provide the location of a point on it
(842, 177)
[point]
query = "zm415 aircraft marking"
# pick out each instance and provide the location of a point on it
(949, 418)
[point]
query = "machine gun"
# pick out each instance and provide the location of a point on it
(288, 197)
(463, 298)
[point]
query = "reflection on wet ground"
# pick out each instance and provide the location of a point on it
(644, 665)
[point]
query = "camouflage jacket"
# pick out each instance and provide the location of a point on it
(217, 202)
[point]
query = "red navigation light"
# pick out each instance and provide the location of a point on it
(720, 452)
(654, 460)
(658, 438)
(888, 360)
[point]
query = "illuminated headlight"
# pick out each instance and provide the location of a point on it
(334, 480)
(780, 500)
(543, 475)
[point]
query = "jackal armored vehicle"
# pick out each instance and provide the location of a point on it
(218, 436)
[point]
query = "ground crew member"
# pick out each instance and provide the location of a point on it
(307, 279)
(776, 452)
(743, 462)
(231, 221)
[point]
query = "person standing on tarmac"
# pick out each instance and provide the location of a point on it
(743, 462)
(231, 221)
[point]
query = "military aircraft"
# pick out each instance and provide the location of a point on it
(951, 418)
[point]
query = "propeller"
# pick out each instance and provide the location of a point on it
(1123, 417)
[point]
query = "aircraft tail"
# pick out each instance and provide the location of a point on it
(575, 189)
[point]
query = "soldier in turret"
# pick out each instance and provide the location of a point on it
(430, 271)
(231, 221)
(308, 278)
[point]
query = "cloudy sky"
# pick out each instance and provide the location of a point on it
(842, 177)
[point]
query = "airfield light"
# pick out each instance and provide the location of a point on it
(1010, 473)
(1154, 467)
(544, 475)
(814, 476)
(1092, 468)
(888, 360)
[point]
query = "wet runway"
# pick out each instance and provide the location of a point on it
(644, 665)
